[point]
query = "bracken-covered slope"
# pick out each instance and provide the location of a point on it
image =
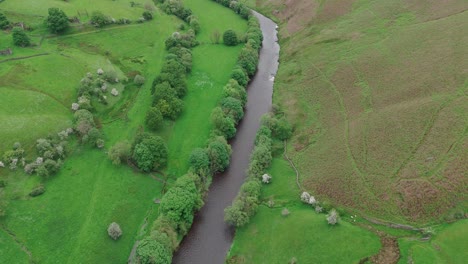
(377, 91)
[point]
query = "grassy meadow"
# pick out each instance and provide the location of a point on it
(89, 192)
(304, 234)
(377, 95)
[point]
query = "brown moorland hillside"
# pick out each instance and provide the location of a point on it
(377, 92)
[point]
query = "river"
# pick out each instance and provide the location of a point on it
(210, 238)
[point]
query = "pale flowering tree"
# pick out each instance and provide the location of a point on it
(333, 217)
(266, 178)
(39, 160)
(75, 106)
(114, 231)
(318, 209)
(100, 71)
(2, 165)
(305, 197)
(114, 92)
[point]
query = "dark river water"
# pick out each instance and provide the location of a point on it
(210, 237)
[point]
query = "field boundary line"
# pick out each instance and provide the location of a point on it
(293, 166)
(23, 246)
(25, 57)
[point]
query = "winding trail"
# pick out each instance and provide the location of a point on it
(210, 237)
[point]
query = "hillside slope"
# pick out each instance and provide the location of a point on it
(377, 91)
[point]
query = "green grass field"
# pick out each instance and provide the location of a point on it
(89, 192)
(448, 246)
(303, 234)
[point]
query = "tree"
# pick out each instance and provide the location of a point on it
(199, 161)
(4, 23)
(219, 152)
(150, 152)
(154, 119)
(224, 125)
(230, 38)
(233, 108)
(119, 152)
(57, 21)
(20, 38)
(114, 231)
(239, 75)
(154, 249)
(234, 215)
(147, 15)
(333, 217)
(180, 202)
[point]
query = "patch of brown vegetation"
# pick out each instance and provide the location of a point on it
(334, 9)
(389, 253)
(298, 14)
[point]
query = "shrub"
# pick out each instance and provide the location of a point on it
(119, 152)
(199, 161)
(20, 38)
(150, 152)
(98, 19)
(230, 38)
(48, 168)
(114, 231)
(147, 15)
(57, 21)
(139, 80)
(154, 119)
(37, 191)
(285, 212)
(4, 23)
(333, 217)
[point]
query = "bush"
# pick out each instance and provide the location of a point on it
(4, 23)
(230, 38)
(200, 162)
(98, 19)
(285, 212)
(150, 152)
(147, 15)
(20, 38)
(57, 21)
(114, 231)
(139, 80)
(119, 152)
(154, 119)
(48, 168)
(37, 191)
